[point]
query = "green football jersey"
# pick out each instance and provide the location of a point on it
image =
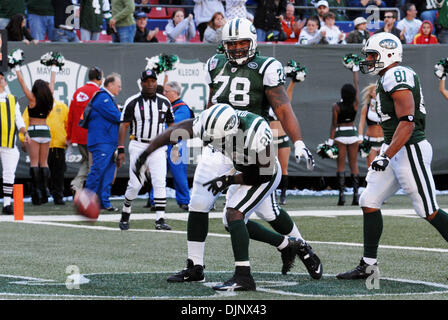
(92, 14)
(399, 78)
(243, 87)
(246, 147)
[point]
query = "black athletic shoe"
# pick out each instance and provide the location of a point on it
(8, 210)
(289, 255)
(310, 260)
(161, 225)
(193, 273)
(111, 209)
(360, 272)
(184, 207)
(239, 281)
(124, 221)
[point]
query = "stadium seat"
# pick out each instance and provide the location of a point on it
(153, 1)
(161, 36)
(158, 13)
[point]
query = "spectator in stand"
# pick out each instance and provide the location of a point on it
(267, 20)
(76, 135)
(322, 9)
(339, 13)
(442, 21)
(180, 29)
(363, 4)
(122, 21)
(8, 9)
(427, 10)
(289, 24)
(237, 9)
(360, 34)
(425, 35)
(17, 30)
(214, 29)
(64, 27)
(390, 17)
(310, 33)
(330, 32)
(91, 18)
(203, 12)
(409, 24)
(40, 19)
(146, 9)
(142, 34)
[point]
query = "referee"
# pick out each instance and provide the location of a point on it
(10, 120)
(145, 115)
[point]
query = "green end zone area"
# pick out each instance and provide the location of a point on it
(43, 260)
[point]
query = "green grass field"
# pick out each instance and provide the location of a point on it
(44, 256)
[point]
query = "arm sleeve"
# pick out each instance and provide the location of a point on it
(274, 74)
(191, 30)
(174, 32)
(129, 7)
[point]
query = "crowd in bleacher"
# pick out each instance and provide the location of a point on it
(174, 21)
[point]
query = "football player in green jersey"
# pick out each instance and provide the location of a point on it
(248, 82)
(405, 157)
(251, 173)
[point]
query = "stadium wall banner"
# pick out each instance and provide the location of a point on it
(312, 99)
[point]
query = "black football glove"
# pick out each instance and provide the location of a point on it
(219, 184)
(380, 162)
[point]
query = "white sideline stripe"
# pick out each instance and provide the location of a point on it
(219, 235)
(184, 215)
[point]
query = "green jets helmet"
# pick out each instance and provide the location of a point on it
(388, 49)
(219, 121)
(235, 30)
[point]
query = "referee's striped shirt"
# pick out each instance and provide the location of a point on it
(147, 117)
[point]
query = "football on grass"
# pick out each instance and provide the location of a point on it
(87, 204)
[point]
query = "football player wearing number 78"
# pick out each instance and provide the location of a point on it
(405, 157)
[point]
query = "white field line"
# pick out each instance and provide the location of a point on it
(183, 216)
(54, 221)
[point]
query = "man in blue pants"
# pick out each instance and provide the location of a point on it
(102, 139)
(178, 167)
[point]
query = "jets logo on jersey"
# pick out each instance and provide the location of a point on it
(213, 64)
(81, 97)
(252, 65)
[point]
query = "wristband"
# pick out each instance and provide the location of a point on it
(120, 149)
(408, 118)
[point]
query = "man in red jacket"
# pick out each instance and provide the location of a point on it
(77, 136)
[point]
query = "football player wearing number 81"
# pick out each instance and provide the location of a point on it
(405, 157)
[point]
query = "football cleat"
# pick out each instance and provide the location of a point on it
(310, 260)
(161, 225)
(360, 272)
(242, 280)
(124, 221)
(288, 255)
(193, 273)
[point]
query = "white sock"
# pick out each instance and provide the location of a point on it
(242, 264)
(196, 252)
(6, 201)
(160, 214)
(369, 261)
(284, 244)
(296, 233)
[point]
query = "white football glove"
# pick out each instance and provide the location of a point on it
(439, 71)
(300, 150)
